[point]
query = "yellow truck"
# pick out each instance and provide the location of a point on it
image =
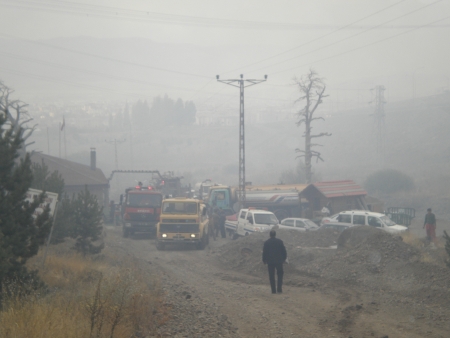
(182, 220)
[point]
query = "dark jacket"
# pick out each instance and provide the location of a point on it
(430, 219)
(274, 251)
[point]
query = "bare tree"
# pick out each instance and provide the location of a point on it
(312, 92)
(16, 114)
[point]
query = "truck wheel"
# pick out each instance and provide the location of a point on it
(235, 236)
(200, 246)
(126, 233)
(160, 246)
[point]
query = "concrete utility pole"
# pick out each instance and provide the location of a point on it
(241, 84)
(379, 120)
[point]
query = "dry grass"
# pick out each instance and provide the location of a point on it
(432, 254)
(87, 298)
(413, 240)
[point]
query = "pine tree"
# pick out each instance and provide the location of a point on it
(63, 223)
(20, 234)
(46, 181)
(87, 219)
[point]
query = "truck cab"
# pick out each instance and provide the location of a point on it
(253, 220)
(183, 220)
(140, 210)
(221, 197)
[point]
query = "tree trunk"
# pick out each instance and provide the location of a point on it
(308, 155)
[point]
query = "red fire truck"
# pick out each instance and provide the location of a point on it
(140, 209)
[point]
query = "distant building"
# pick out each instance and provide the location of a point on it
(337, 196)
(76, 175)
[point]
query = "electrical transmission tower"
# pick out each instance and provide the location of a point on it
(379, 120)
(241, 84)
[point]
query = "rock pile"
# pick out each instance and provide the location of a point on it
(367, 257)
(245, 254)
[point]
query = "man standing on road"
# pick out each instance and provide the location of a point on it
(274, 255)
(212, 231)
(222, 220)
(430, 225)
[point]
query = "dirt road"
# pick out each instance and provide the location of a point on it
(232, 304)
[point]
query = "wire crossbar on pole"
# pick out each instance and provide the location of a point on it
(241, 84)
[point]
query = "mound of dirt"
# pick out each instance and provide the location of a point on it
(376, 259)
(366, 257)
(379, 246)
(245, 253)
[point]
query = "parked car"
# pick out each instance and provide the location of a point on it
(300, 224)
(336, 226)
(374, 219)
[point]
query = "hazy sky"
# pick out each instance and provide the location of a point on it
(284, 38)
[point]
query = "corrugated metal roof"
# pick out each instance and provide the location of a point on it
(339, 188)
(298, 187)
(73, 173)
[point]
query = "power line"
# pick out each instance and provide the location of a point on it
(161, 18)
(75, 69)
(320, 37)
(104, 57)
(361, 47)
(241, 84)
(120, 92)
(349, 37)
(69, 83)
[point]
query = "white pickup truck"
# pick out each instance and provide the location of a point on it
(251, 220)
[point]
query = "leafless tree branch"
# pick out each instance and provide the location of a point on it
(16, 114)
(312, 92)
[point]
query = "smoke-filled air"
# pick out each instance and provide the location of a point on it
(224, 168)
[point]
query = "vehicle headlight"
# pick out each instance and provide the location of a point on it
(164, 235)
(193, 235)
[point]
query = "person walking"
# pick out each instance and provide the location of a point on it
(222, 220)
(274, 255)
(216, 221)
(430, 225)
(212, 230)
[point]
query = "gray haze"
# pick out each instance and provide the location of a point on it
(89, 59)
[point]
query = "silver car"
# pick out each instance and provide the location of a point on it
(337, 226)
(300, 224)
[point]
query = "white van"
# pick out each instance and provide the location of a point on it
(252, 220)
(374, 219)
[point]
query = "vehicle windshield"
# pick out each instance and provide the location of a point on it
(265, 219)
(189, 208)
(310, 224)
(144, 200)
(335, 216)
(386, 220)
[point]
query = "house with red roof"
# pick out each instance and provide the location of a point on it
(337, 196)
